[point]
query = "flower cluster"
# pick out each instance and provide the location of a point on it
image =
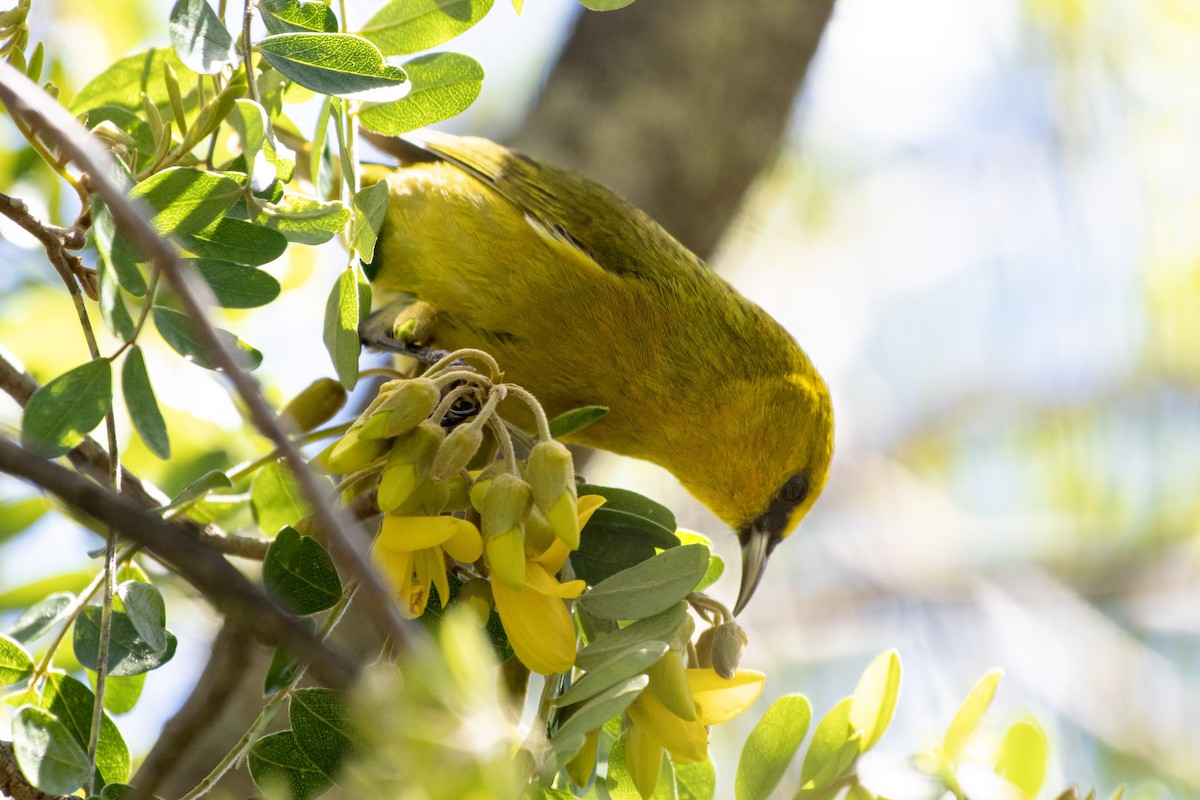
(428, 446)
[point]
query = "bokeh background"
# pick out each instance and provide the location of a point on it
(982, 227)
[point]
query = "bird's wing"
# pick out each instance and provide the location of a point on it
(610, 231)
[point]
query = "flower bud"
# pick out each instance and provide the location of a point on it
(729, 644)
(408, 465)
(669, 682)
(538, 533)
(351, 453)
(552, 477)
(704, 648)
(408, 405)
(456, 452)
(506, 505)
(457, 493)
(316, 404)
(506, 557)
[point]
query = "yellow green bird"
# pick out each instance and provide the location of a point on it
(585, 300)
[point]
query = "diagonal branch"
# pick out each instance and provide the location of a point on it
(25, 100)
(228, 589)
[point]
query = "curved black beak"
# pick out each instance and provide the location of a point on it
(757, 544)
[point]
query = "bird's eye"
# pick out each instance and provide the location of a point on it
(796, 489)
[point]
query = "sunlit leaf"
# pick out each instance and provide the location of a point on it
(875, 698)
(330, 63)
(186, 199)
(292, 16)
(1023, 757)
(125, 80)
(443, 85)
(39, 618)
(238, 241)
(322, 728)
(409, 26)
(833, 749)
(370, 209)
(18, 513)
(71, 701)
(650, 587)
(348, 302)
(966, 720)
(576, 420)
(15, 663)
(237, 286)
(300, 574)
(142, 405)
(62, 412)
(277, 761)
(47, 753)
(771, 747)
(200, 39)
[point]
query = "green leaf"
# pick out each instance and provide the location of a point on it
(595, 712)
(875, 698)
(321, 725)
(238, 241)
(18, 513)
(716, 564)
(142, 405)
(128, 652)
(115, 252)
(696, 781)
(283, 668)
(833, 749)
(39, 618)
(771, 747)
(249, 121)
(605, 5)
(1023, 756)
(200, 39)
(147, 611)
(304, 220)
(620, 783)
(408, 26)
(662, 627)
(177, 330)
(619, 668)
(121, 695)
(22, 597)
(443, 85)
(299, 573)
(47, 753)
(124, 82)
(236, 286)
(330, 63)
(276, 498)
(186, 199)
(129, 123)
(343, 312)
(62, 412)
(623, 532)
(206, 483)
(966, 720)
(277, 763)
(650, 587)
(112, 305)
(370, 210)
(15, 663)
(291, 16)
(71, 701)
(576, 420)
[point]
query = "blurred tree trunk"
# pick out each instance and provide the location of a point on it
(677, 104)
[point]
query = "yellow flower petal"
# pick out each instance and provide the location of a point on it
(506, 558)
(539, 628)
(718, 699)
(540, 580)
(587, 505)
(581, 767)
(643, 757)
(437, 570)
(417, 533)
(687, 741)
(556, 554)
(465, 544)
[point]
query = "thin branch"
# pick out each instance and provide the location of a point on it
(26, 100)
(205, 569)
(13, 782)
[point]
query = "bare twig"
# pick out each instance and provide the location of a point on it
(217, 684)
(27, 101)
(13, 782)
(205, 569)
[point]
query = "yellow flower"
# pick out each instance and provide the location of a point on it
(408, 551)
(653, 728)
(535, 618)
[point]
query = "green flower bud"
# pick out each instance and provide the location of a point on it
(408, 405)
(505, 506)
(704, 648)
(538, 533)
(373, 426)
(552, 477)
(457, 493)
(351, 453)
(456, 452)
(669, 683)
(397, 485)
(316, 403)
(729, 644)
(506, 557)
(408, 465)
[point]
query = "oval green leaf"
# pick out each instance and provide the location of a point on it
(200, 38)
(292, 16)
(1023, 758)
(62, 412)
(662, 627)
(176, 330)
(595, 712)
(330, 63)
(276, 498)
(875, 698)
(125, 81)
(771, 747)
(321, 725)
(236, 286)
(305, 220)
(142, 405)
(71, 701)
(619, 668)
(833, 749)
(300, 574)
(370, 209)
(147, 611)
(696, 781)
(576, 420)
(15, 663)
(18, 513)
(409, 26)
(349, 301)
(966, 720)
(650, 587)
(39, 618)
(277, 763)
(128, 652)
(443, 85)
(186, 199)
(238, 241)
(47, 753)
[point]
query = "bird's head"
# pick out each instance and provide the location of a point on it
(775, 467)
